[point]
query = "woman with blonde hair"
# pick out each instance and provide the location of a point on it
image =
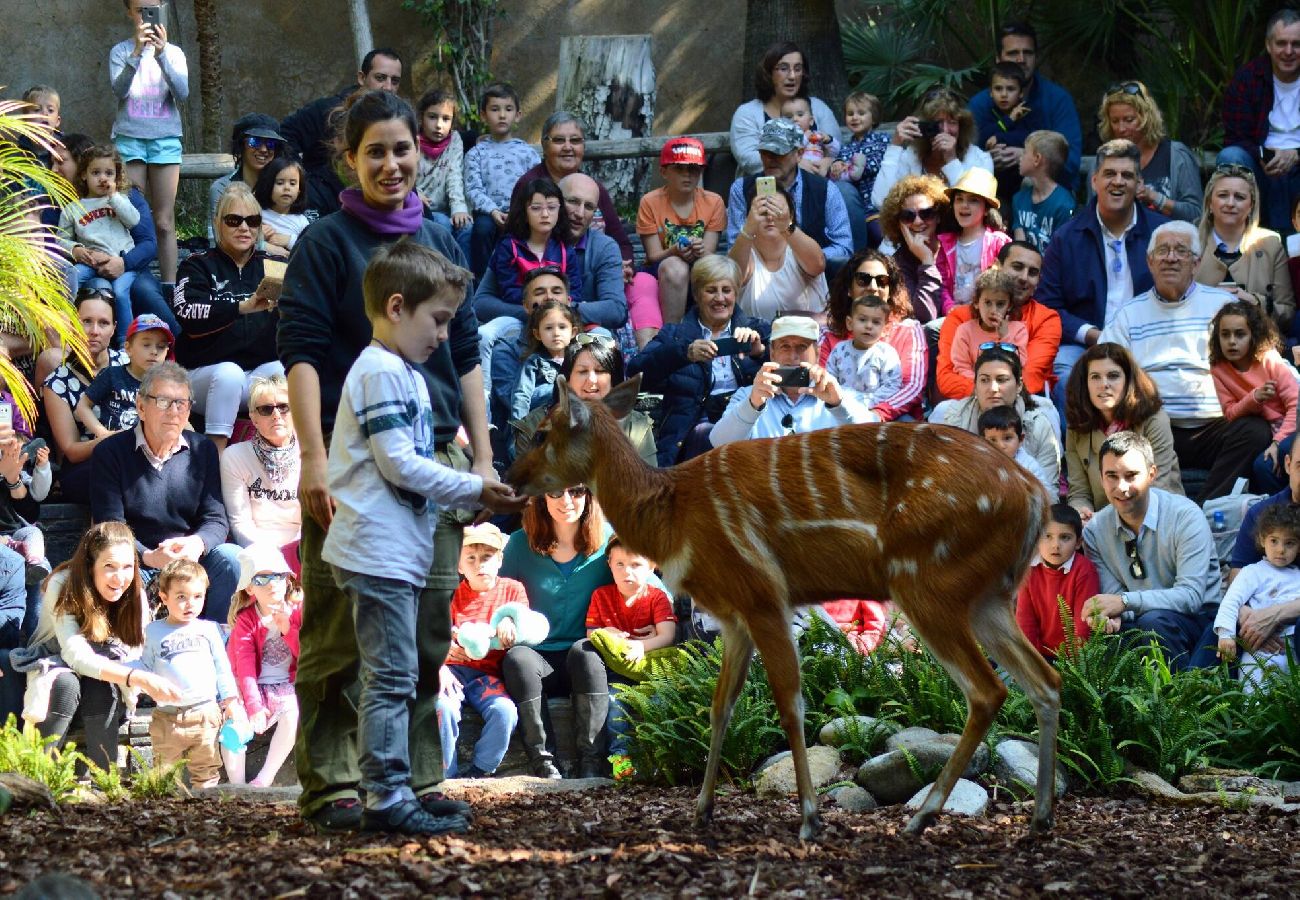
(1171, 175)
(1239, 255)
(939, 139)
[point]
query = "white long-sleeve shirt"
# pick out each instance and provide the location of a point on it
(383, 474)
(1258, 585)
(75, 649)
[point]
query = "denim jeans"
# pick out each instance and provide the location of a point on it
(383, 613)
(486, 695)
(147, 296)
(484, 235)
(462, 235)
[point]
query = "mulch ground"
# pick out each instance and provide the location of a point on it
(637, 842)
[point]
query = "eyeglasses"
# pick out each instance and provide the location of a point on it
(1132, 88)
(577, 492)
(269, 409)
(180, 404)
(95, 294)
(1117, 264)
(1135, 567)
(261, 143)
(787, 422)
(544, 207)
(587, 338)
(1165, 252)
(262, 579)
(1000, 345)
(908, 216)
(1235, 170)
(787, 69)
(866, 279)
(230, 220)
(559, 141)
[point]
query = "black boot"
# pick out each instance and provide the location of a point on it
(540, 759)
(589, 714)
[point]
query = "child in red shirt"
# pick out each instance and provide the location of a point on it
(631, 608)
(1059, 571)
(478, 681)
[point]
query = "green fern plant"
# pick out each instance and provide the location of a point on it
(155, 781)
(108, 782)
(23, 750)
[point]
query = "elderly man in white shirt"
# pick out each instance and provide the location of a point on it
(765, 409)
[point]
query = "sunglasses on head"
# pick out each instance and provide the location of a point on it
(577, 492)
(908, 216)
(1135, 567)
(867, 279)
(261, 143)
(1000, 345)
(1235, 170)
(230, 220)
(1132, 88)
(267, 409)
(587, 338)
(262, 579)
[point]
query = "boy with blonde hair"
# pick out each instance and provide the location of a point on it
(1041, 205)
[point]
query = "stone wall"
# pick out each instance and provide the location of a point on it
(277, 56)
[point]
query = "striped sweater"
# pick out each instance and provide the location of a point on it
(1171, 342)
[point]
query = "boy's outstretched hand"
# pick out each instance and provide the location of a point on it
(499, 497)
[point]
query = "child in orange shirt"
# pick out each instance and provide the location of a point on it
(634, 609)
(1060, 571)
(478, 681)
(990, 323)
(1252, 379)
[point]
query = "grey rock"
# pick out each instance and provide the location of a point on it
(967, 799)
(778, 778)
(910, 737)
(979, 760)
(853, 798)
(1227, 780)
(837, 731)
(770, 761)
(1015, 765)
(1291, 790)
(892, 777)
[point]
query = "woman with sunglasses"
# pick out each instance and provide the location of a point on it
(1171, 174)
(1239, 255)
(62, 390)
(870, 272)
(254, 142)
(593, 366)
(227, 315)
(909, 218)
(939, 139)
(559, 556)
(259, 477)
(1108, 392)
(999, 382)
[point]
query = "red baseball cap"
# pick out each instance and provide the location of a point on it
(682, 151)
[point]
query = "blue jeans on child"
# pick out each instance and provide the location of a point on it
(462, 235)
(617, 726)
(383, 612)
(484, 235)
(486, 695)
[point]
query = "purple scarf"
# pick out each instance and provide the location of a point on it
(431, 150)
(402, 221)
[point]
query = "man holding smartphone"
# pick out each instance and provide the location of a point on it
(791, 394)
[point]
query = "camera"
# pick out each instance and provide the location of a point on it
(930, 128)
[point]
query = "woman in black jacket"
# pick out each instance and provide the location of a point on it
(227, 317)
(686, 364)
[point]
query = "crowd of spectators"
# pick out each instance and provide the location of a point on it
(938, 271)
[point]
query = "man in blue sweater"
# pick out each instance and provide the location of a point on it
(1050, 106)
(165, 483)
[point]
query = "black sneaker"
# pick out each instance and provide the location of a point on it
(439, 805)
(338, 817)
(409, 817)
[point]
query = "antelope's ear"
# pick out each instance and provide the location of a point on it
(622, 399)
(569, 406)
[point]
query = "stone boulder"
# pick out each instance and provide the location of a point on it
(1212, 780)
(778, 778)
(853, 798)
(892, 777)
(1015, 765)
(910, 737)
(967, 799)
(837, 731)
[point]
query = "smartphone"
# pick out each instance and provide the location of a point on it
(1228, 285)
(765, 186)
(32, 446)
(151, 15)
(794, 376)
(6, 414)
(729, 346)
(929, 128)
(1266, 154)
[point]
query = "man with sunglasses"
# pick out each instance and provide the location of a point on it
(310, 129)
(1261, 120)
(165, 483)
(1154, 556)
(1050, 106)
(1097, 261)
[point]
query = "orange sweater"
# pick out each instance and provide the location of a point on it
(1236, 390)
(1044, 326)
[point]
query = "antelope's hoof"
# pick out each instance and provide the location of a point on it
(811, 827)
(1039, 827)
(919, 823)
(703, 819)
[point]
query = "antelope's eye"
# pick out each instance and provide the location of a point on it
(539, 437)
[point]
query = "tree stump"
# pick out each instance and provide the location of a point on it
(609, 83)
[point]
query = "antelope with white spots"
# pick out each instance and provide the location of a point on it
(753, 529)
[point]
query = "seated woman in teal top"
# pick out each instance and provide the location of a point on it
(559, 556)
